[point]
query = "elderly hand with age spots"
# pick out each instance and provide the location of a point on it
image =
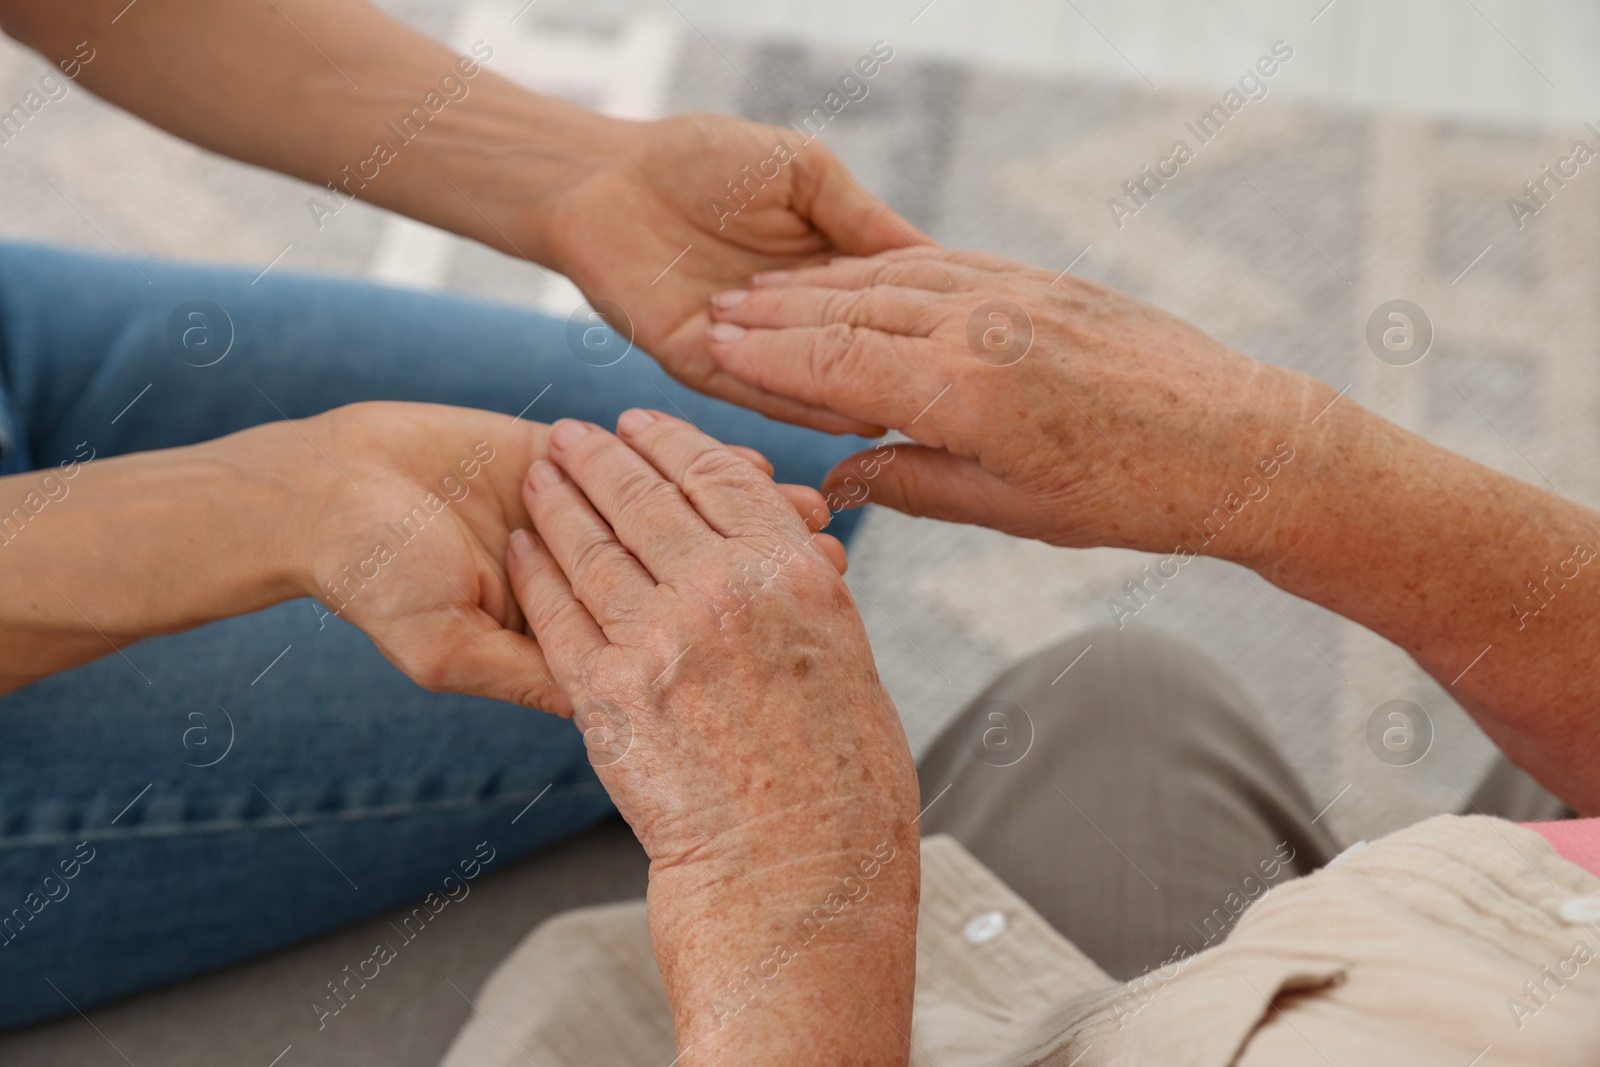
(1100, 420)
(1123, 425)
(742, 731)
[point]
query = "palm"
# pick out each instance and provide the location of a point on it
(417, 562)
(643, 234)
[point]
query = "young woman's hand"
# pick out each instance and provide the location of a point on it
(395, 516)
(649, 226)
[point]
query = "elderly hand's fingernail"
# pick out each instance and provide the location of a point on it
(726, 331)
(543, 474)
(566, 433)
(633, 420)
(773, 277)
(730, 298)
(521, 544)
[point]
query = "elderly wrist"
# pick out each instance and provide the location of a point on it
(787, 858)
(1337, 447)
(738, 958)
(1232, 474)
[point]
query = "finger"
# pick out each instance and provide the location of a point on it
(566, 631)
(812, 508)
(506, 666)
(648, 512)
(932, 483)
(892, 309)
(489, 591)
(852, 218)
(809, 504)
(731, 497)
(913, 268)
(865, 374)
(511, 667)
(833, 548)
(725, 386)
(605, 576)
(468, 651)
(972, 259)
(761, 462)
(687, 343)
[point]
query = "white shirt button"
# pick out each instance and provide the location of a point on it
(984, 927)
(1581, 910)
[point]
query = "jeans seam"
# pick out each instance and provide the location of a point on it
(276, 820)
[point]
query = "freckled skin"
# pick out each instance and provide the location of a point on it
(766, 761)
(1125, 426)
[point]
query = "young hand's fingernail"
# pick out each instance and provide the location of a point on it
(521, 544)
(543, 474)
(634, 420)
(726, 331)
(730, 298)
(565, 434)
(773, 277)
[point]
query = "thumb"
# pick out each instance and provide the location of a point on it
(506, 665)
(858, 223)
(932, 483)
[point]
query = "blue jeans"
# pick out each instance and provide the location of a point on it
(275, 777)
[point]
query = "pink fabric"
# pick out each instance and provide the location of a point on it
(1577, 840)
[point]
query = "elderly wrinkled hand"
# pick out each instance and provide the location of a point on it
(732, 710)
(1048, 407)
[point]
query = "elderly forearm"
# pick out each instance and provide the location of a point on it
(334, 92)
(96, 555)
(1492, 584)
(1125, 426)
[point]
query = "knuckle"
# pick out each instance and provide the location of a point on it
(908, 272)
(715, 466)
(836, 347)
(549, 621)
(642, 489)
(842, 306)
(591, 554)
(618, 607)
(812, 575)
(550, 613)
(910, 311)
(914, 498)
(528, 694)
(815, 586)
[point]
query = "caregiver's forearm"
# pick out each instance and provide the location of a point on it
(312, 88)
(96, 555)
(1492, 584)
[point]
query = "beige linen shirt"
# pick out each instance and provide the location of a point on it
(1459, 942)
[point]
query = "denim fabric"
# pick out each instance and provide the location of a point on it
(211, 795)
